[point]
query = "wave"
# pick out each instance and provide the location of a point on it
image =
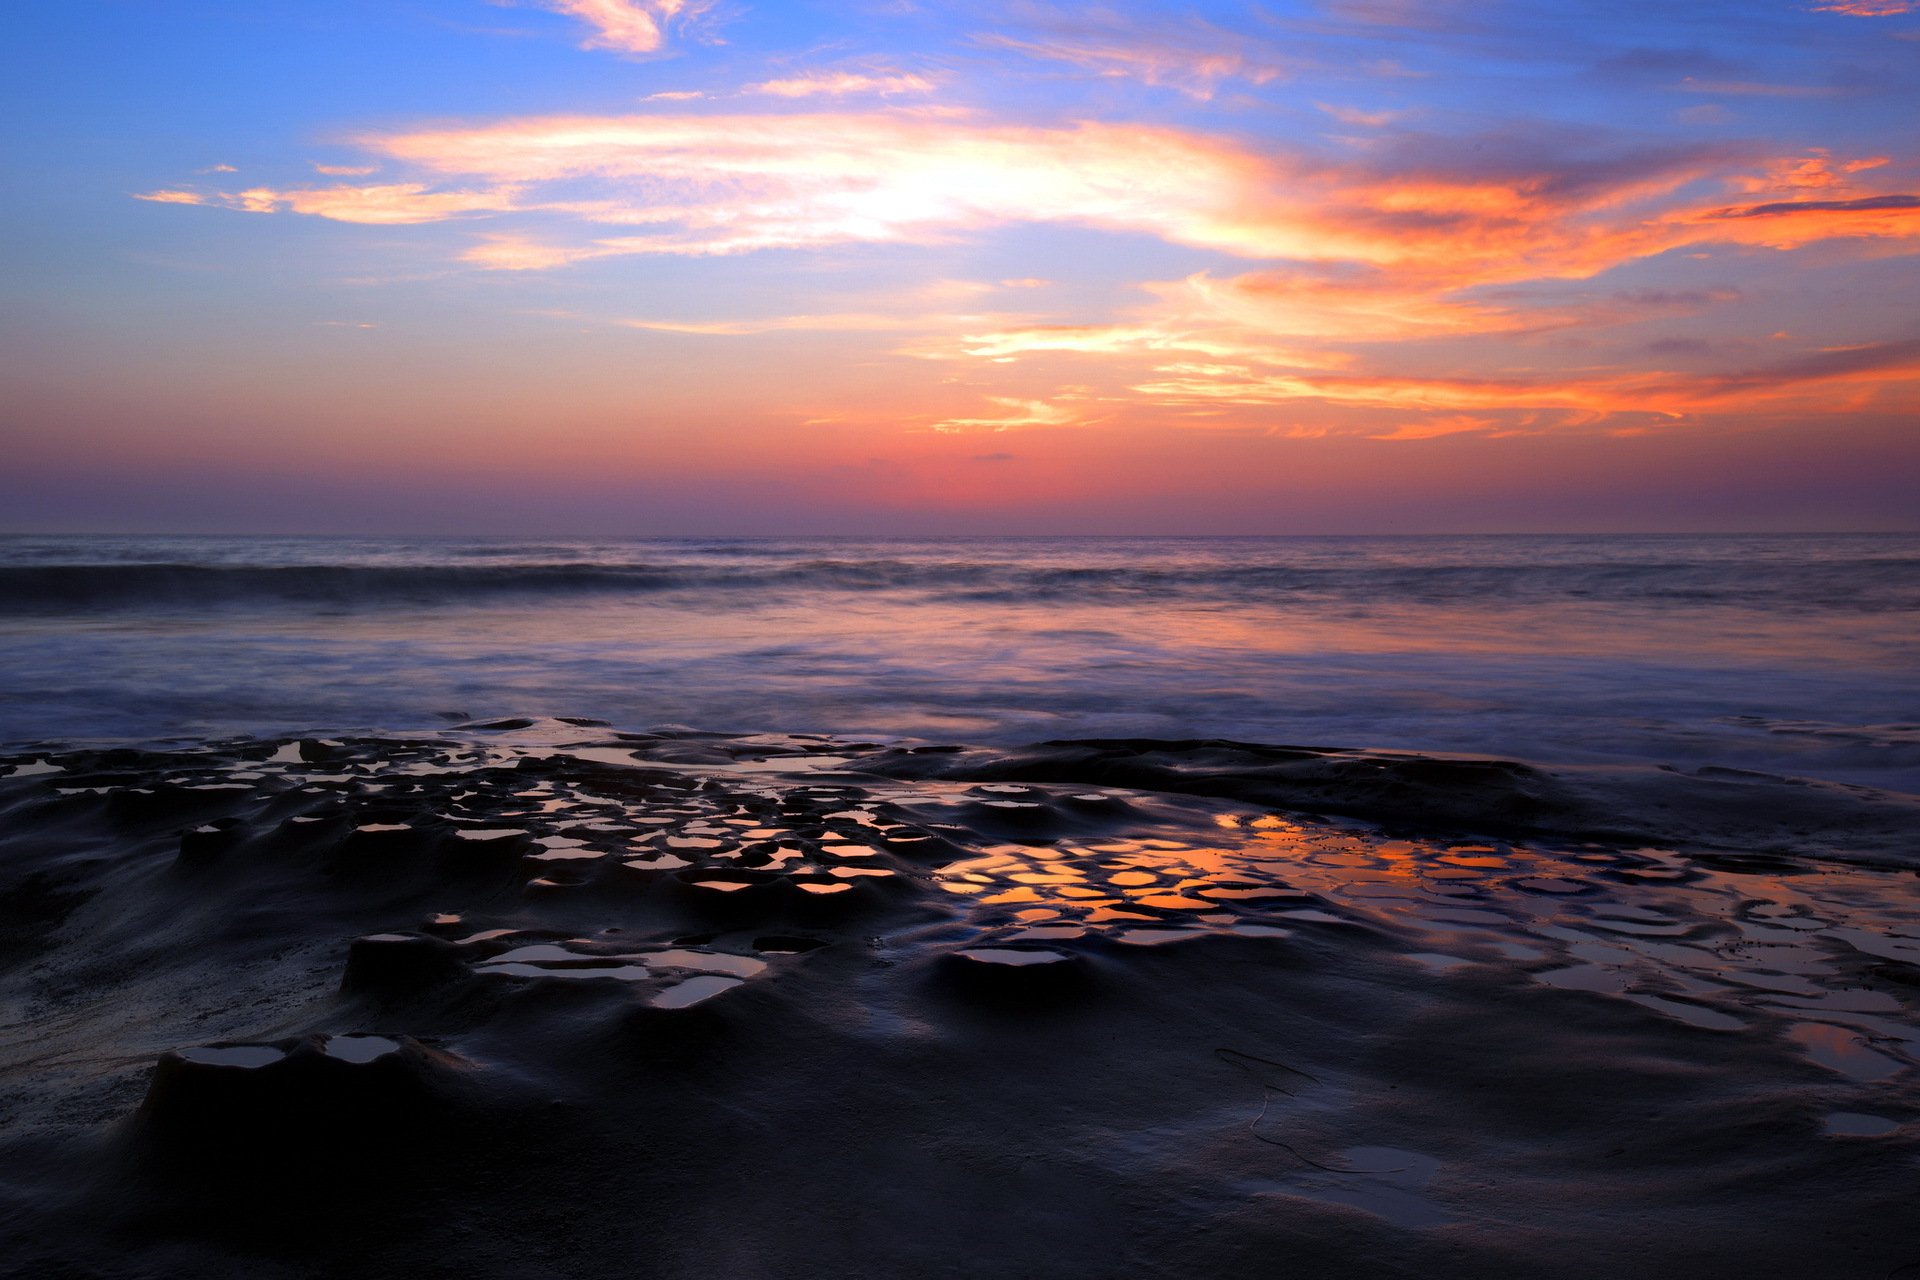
(1870, 584)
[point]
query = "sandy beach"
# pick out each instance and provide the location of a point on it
(535, 998)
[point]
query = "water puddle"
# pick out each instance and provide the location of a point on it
(1854, 1124)
(358, 1048)
(249, 1057)
(693, 991)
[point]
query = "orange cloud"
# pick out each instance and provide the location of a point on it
(1872, 366)
(1294, 317)
(1434, 428)
(1421, 242)
(1815, 170)
(1789, 224)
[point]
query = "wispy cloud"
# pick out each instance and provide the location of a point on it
(1879, 365)
(1361, 119)
(1191, 56)
(1010, 413)
(1758, 89)
(174, 197)
(629, 26)
(1869, 8)
(823, 322)
(1441, 214)
(390, 204)
(1817, 170)
(844, 84)
(704, 185)
(1427, 217)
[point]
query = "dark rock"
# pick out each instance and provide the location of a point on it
(396, 964)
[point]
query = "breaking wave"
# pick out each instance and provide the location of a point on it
(1852, 576)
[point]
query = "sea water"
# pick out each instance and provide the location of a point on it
(1792, 654)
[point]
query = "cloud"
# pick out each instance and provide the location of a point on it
(1361, 119)
(1871, 360)
(1435, 428)
(841, 84)
(1015, 413)
(1791, 224)
(389, 205)
(1869, 8)
(1758, 89)
(1705, 113)
(1275, 317)
(629, 26)
(345, 170)
(1797, 208)
(1423, 216)
(173, 197)
(825, 322)
(1875, 365)
(1370, 283)
(1642, 65)
(1816, 170)
(1192, 57)
(1299, 316)
(1448, 17)
(705, 185)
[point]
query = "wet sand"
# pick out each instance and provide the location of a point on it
(537, 999)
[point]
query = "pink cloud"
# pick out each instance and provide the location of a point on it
(842, 84)
(628, 26)
(390, 204)
(1869, 8)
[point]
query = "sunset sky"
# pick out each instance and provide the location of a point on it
(753, 266)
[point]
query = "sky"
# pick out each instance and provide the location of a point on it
(766, 267)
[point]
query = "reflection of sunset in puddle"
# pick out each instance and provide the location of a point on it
(1715, 948)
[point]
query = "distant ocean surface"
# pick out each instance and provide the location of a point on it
(1793, 654)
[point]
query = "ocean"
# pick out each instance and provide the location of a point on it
(1789, 654)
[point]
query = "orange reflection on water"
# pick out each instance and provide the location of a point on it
(1720, 942)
